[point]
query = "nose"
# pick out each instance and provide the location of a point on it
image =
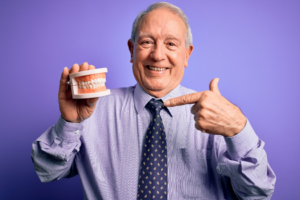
(158, 53)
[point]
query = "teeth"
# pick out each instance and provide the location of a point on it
(157, 68)
(94, 83)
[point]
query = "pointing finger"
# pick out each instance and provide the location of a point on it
(213, 86)
(185, 99)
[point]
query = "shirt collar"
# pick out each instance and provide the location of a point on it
(141, 98)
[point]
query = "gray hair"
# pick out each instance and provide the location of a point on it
(175, 10)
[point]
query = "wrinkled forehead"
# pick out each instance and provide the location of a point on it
(163, 22)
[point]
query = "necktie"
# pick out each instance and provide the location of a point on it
(153, 178)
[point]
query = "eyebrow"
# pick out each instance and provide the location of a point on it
(145, 35)
(169, 36)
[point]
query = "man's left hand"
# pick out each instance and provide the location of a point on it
(212, 112)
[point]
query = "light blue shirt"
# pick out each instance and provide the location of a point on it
(105, 150)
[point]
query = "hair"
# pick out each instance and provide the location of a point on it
(172, 8)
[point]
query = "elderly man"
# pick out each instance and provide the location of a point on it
(138, 143)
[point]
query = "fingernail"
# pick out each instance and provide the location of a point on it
(91, 104)
(167, 103)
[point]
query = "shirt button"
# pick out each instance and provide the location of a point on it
(77, 132)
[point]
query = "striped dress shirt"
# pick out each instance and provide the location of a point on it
(105, 151)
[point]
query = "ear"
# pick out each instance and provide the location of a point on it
(188, 52)
(130, 47)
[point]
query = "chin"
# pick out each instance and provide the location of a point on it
(155, 86)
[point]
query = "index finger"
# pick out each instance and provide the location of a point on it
(184, 99)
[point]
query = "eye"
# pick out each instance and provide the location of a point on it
(146, 42)
(171, 44)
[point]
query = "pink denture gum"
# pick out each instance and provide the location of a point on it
(89, 84)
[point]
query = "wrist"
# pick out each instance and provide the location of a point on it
(237, 127)
(71, 121)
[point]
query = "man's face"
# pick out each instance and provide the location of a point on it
(159, 54)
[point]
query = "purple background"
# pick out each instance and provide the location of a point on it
(252, 46)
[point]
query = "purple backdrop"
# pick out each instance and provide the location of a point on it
(252, 46)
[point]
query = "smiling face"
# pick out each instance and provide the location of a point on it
(159, 55)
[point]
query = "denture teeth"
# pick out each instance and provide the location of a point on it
(89, 82)
(94, 86)
(92, 81)
(83, 87)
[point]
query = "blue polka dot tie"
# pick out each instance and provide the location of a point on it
(153, 175)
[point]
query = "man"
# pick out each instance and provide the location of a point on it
(205, 149)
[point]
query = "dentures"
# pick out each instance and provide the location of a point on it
(88, 84)
(91, 83)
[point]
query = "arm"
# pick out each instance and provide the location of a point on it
(244, 161)
(243, 158)
(54, 151)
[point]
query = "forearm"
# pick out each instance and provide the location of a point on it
(54, 151)
(245, 161)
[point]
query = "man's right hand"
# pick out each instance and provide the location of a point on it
(74, 110)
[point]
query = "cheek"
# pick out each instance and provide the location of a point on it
(178, 61)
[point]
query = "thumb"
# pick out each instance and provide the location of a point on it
(213, 86)
(92, 101)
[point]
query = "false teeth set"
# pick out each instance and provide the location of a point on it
(88, 84)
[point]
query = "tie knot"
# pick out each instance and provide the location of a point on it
(155, 106)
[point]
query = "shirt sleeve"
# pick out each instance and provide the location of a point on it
(54, 151)
(244, 160)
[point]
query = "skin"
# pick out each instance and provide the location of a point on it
(160, 42)
(74, 110)
(212, 112)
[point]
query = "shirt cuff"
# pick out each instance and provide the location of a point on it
(68, 131)
(240, 144)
